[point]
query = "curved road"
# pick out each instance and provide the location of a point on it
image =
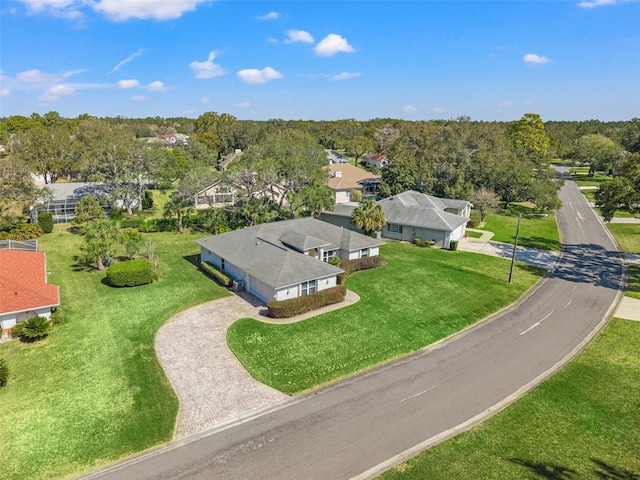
(363, 425)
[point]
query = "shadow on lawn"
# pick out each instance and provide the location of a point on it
(193, 260)
(609, 472)
(547, 470)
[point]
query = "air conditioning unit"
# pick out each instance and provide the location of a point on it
(238, 286)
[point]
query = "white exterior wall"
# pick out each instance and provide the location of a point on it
(293, 291)
(260, 289)
(9, 320)
(343, 196)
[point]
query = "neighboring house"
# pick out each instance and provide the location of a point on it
(345, 178)
(224, 162)
(173, 139)
(287, 259)
(411, 215)
(378, 160)
(24, 291)
(218, 194)
(65, 195)
(335, 157)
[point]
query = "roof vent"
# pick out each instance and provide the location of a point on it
(338, 174)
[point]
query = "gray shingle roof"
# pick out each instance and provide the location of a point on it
(262, 251)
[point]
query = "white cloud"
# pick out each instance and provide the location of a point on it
(128, 59)
(269, 16)
(346, 76)
(332, 44)
(139, 98)
(253, 75)
(535, 58)
(37, 76)
(54, 93)
(245, 104)
(409, 109)
(117, 10)
(4, 92)
(207, 69)
(439, 110)
(133, 83)
(296, 36)
(157, 9)
(156, 86)
(506, 104)
(272, 40)
(204, 101)
(596, 3)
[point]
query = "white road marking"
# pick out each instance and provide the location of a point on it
(570, 301)
(537, 323)
(579, 215)
(419, 393)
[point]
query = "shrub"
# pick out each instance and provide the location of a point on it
(45, 220)
(131, 222)
(36, 328)
(115, 213)
(57, 315)
(306, 303)
(335, 261)
(16, 330)
(4, 372)
(147, 201)
(158, 269)
(351, 266)
(26, 231)
(149, 226)
(130, 273)
(217, 274)
(453, 245)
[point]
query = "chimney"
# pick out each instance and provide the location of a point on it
(338, 174)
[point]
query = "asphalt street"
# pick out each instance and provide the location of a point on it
(361, 426)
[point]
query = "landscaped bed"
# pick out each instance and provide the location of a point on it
(420, 297)
(583, 423)
(93, 391)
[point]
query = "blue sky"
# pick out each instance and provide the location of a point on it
(566, 60)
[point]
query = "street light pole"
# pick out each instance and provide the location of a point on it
(515, 246)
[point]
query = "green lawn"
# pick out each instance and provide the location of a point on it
(93, 391)
(535, 232)
(472, 234)
(420, 297)
(583, 423)
(633, 282)
(627, 235)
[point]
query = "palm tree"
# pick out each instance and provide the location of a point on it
(179, 206)
(368, 216)
(101, 237)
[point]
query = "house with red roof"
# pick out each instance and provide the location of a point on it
(24, 291)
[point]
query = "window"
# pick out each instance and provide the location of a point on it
(307, 288)
(364, 253)
(222, 263)
(328, 254)
(392, 228)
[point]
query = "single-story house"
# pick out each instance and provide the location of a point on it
(378, 160)
(344, 178)
(287, 259)
(335, 157)
(24, 291)
(411, 215)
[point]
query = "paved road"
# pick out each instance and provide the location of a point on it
(357, 427)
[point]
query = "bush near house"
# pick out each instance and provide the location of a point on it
(306, 303)
(4, 372)
(215, 273)
(130, 273)
(45, 220)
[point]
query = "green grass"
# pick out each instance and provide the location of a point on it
(583, 423)
(472, 234)
(93, 391)
(627, 235)
(160, 198)
(633, 282)
(535, 232)
(420, 297)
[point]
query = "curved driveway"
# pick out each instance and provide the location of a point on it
(360, 426)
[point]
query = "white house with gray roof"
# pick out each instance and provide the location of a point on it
(287, 259)
(411, 215)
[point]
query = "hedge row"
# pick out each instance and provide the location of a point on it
(26, 231)
(306, 303)
(45, 220)
(215, 273)
(357, 264)
(130, 273)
